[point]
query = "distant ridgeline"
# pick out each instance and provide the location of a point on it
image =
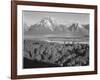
(48, 29)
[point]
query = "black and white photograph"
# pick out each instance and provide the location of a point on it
(55, 39)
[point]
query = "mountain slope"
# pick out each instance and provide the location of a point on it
(79, 29)
(46, 24)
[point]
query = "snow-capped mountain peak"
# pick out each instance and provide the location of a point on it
(48, 22)
(75, 26)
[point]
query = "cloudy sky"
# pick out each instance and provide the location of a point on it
(32, 17)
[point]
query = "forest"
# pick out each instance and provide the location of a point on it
(56, 54)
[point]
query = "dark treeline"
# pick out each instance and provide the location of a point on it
(56, 53)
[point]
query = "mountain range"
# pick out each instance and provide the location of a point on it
(49, 26)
